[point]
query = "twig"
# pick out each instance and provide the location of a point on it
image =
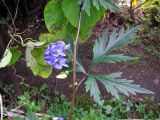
(15, 15)
(1, 105)
(140, 5)
(81, 81)
(74, 67)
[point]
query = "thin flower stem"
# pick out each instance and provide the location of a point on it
(79, 84)
(74, 67)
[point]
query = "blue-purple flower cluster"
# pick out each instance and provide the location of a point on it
(55, 55)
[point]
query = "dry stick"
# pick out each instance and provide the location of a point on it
(140, 5)
(74, 68)
(15, 15)
(1, 106)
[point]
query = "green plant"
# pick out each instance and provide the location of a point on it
(74, 20)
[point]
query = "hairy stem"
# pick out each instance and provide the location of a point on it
(74, 68)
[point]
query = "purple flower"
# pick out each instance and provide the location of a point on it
(59, 63)
(59, 118)
(55, 55)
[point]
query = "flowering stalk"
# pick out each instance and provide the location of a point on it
(74, 68)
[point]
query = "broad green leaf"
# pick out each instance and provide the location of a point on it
(104, 45)
(38, 54)
(53, 16)
(15, 56)
(45, 71)
(37, 69)
(46, 37)
(6, 58)
(71, 11)
(30, 61)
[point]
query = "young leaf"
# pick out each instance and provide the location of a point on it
(6, 58)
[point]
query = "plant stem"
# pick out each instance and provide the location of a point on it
(74, 68)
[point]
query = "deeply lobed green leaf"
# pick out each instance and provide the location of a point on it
(113, 85)
(106, 44)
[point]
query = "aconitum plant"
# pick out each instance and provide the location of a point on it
(55, 55)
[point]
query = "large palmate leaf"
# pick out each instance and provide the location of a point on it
(7, 56)
(106, 44)
(113, 85)
(107, 4)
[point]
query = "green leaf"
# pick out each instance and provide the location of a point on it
(15, 56)
(113, 85)
(107, 4)
(37, 69)
(47, 37)
(7, 56)
(71, 11)
(92, 87)
(43, 87)
(101, 48)
(86, 6)
(45, 71)
(30, 61)
(116, 58)
(119, 40)
(31, 116)
(53, 16)
(38, 54)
